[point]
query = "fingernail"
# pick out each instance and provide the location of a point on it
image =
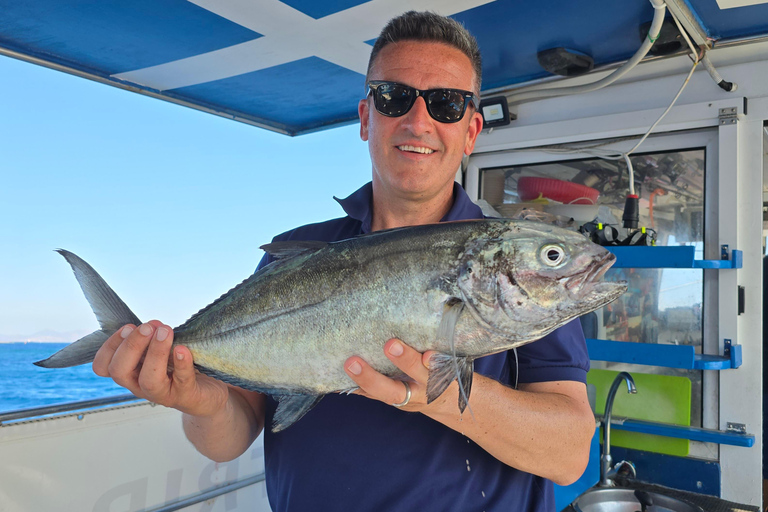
(162, 333)
(145, 329)
(355, 368)
(396, 349)
(126, 331)
(179, 355)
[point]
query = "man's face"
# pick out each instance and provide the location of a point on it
(398, 170)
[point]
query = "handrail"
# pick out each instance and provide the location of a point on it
(34, 412)
(207, 495)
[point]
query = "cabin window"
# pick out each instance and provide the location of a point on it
(661, 305)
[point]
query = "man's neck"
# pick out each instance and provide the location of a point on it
(394, 212)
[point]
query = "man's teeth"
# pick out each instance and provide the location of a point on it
(414, 149)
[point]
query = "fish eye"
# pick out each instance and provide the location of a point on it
(552, 255)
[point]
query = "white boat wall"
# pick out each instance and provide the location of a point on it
(127, 457)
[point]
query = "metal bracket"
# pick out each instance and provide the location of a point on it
(738, 428)
(728, 115)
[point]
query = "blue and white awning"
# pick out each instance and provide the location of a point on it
(298, 65)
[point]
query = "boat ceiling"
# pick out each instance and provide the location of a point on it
(297, 66)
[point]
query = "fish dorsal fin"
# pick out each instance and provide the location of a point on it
(292, 248)
(291, 408)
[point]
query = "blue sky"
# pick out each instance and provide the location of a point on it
(168, 204)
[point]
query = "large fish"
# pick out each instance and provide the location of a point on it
(463, 289)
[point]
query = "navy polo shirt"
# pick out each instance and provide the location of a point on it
(353, 453)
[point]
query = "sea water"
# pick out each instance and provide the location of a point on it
(24, 385)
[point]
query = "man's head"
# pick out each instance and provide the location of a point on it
(417, 149)
(430, 27)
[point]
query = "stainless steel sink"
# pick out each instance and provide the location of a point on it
(627, 500)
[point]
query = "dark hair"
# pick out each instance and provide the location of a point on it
(429, 26)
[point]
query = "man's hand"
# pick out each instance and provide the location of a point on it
(544, 428)
(380, 387)
(220, 420)
(139, 359)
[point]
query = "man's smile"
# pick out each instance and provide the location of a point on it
(416, 149)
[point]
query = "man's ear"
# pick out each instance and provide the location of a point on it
(474, 129)
(362, 111)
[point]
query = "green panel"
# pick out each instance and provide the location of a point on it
(661, 398)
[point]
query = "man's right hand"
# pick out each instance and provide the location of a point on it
(139, 359)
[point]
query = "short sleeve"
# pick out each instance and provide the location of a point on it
(560, 355)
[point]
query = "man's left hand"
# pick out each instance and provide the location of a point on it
(391, 391)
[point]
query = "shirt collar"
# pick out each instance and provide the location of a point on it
(358, 206)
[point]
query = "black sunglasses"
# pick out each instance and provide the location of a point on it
(445, 105)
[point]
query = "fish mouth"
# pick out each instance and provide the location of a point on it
(604, 293)
(586, 285)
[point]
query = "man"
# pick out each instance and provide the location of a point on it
(360, 452)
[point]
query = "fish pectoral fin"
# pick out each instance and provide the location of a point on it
(442, 371)
(444, 368)
(451, 311)
(291, 408)
(291, 248)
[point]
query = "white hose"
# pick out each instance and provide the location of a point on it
(725, 85)
(658, 19)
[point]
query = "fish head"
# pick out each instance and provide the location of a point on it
(527, 278)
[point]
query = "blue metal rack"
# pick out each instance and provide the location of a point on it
(703, 435)
(668, 356)
(671, 257)
(672, 356)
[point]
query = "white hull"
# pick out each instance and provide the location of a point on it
(122, 458)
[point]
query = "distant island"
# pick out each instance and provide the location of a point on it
(44, 336)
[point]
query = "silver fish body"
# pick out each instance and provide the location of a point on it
(463, 289)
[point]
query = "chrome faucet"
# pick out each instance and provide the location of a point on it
(605, 460)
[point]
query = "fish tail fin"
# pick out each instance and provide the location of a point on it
(111, 313)
(80, 352)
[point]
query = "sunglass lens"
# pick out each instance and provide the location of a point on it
(446, 105)
(393, 99)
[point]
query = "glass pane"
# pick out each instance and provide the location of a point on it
(661, 305)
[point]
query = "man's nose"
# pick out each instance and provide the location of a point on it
(418, 120)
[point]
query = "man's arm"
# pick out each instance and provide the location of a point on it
(220, 420)
(542, 428)
(228, 434)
